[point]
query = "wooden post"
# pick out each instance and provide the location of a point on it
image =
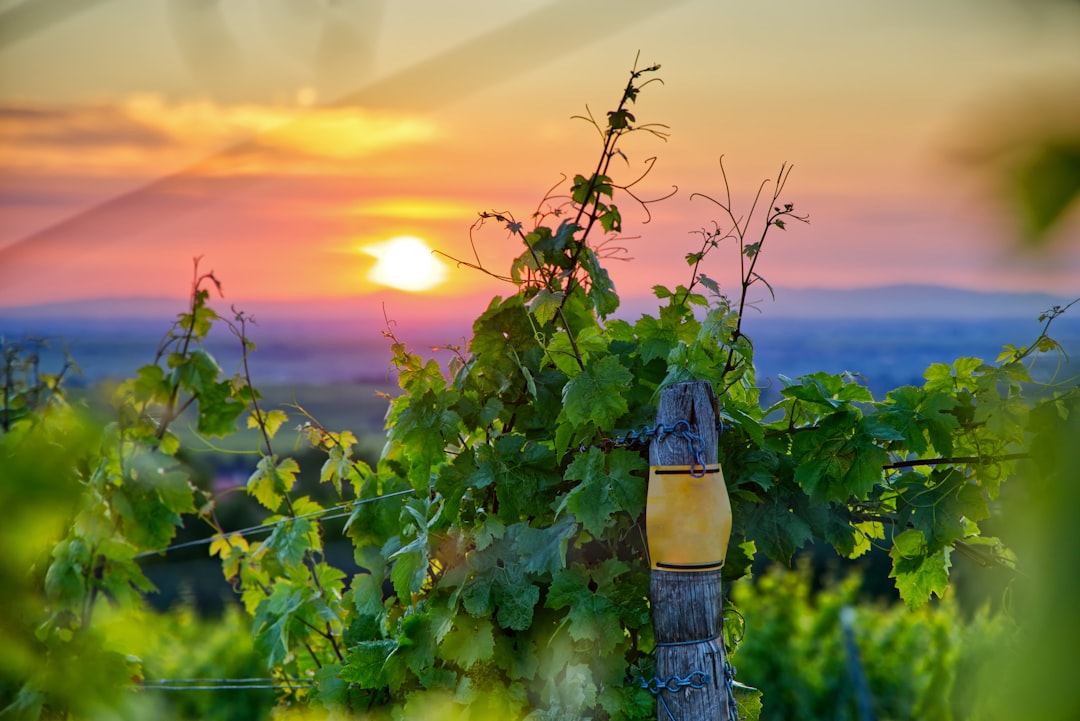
(690, 683)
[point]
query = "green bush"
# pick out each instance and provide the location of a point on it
(181, 644)
(917, 663)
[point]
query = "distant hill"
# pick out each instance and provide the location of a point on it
(428, 313)
(907, 301)
(154, 308)
(889, 334)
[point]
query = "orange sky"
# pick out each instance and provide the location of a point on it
(139, 133)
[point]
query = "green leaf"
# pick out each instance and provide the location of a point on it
(596, 619)
(469, 641)
(606, 487)
(174, 489)
(760, 467)
(170, 444)
(516, 599)
(827, 389)
(747, 699)
(545, 304)
(865, 468)
(408, 574)
(65, 580)
(273, 618)
(367, 594)
(543, 550)
(198, 372)
(879, 426)
(918, 573)
(592, 616)
(476, 596)
(611, 221)
(619, 119)
(416, 642)
(502, 335)
(775, 528)
(943, 503)
(490, 530)
(711, 285)
(835, 462)
(517, 656)
(434, 679)
(272, 479)
(340, 464)
(150, 385)
(289, 541)
(522, 470)
(588, 342)
(595, 396)
(584, 191)
(146, 521)
(201, 318)
(331, 690)
(331, 579)
(366, 663)
(273, 420)
(568, 587)
(601, 293)
(655, 339)
(961, 375)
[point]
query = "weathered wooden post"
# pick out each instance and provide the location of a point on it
(688, 524)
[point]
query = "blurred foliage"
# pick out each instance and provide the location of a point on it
(918, 663)
(181, 644)
(41, 440)
(1036, 678)
(1046, 185)
(83, 498)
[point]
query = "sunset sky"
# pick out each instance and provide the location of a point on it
(286, 142)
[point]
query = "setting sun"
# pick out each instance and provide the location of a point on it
(405, 263)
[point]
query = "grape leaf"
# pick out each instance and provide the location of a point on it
(416, 642)
(366, 662)
(748, 701)
(774, 527)
(918, 573)
(516, 599)
(468, 642)
(408, 574)
(516, 655)
(595, 396)
(606, 487)
(947, 499)
(367, 593)
(591, 616)
(289, 541)
(543, 550)
(545, 304)
(271, 480)
(272, 420)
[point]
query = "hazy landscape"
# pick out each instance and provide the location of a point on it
(887, 335)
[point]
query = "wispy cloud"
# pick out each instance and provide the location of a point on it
(412, 209)
(331, 133)
(65, 141)
(146, 132)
